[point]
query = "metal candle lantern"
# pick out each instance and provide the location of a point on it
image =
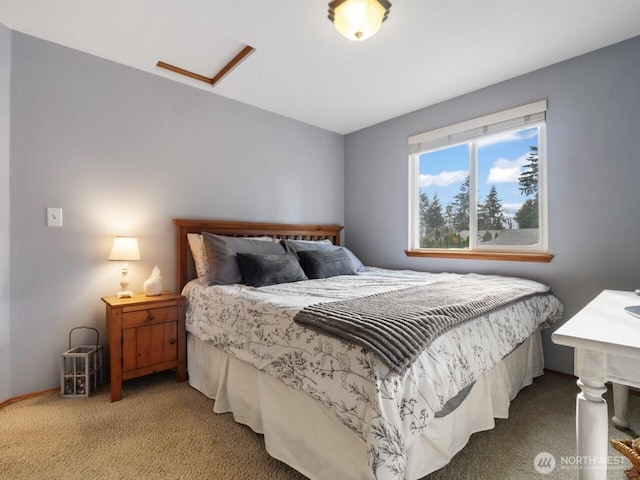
(81, 371)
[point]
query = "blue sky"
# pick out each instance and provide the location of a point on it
(500, 161)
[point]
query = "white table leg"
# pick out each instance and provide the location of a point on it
(620, 399)
(592, 430)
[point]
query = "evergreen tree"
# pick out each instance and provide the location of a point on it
(449, 215)
(490, 213)
(527, 214)
(461, 207)
(424, 207)
(435, 220)
(528, 179)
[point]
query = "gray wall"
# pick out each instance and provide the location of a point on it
(593, 123)
(123, 152)
(5, 69)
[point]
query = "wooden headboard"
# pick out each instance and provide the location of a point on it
(186, 270)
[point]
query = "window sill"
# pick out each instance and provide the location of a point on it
(476, 255)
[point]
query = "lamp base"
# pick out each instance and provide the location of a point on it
(124, 294)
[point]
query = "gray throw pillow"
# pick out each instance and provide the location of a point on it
(221, 254)
(269, 269)
(298, 246)
(326, 263)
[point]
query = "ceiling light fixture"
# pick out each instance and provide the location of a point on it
(358, 19)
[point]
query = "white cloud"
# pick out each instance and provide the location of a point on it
(443, 179)
(503, 175)
(511, 208)
(506, 171)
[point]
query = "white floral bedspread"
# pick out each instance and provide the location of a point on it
(387, 410)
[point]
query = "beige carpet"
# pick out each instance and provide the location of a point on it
(165, 430)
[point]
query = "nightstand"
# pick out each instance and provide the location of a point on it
(145, 335)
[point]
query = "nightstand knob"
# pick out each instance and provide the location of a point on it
(173, 341)
(150, 317)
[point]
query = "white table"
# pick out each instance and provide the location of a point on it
(606, 340)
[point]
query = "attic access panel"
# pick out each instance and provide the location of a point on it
(203, 55)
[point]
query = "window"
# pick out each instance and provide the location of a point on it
(478, 188)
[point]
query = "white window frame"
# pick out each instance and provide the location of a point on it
(469, 132)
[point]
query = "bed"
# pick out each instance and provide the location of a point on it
(329, 404)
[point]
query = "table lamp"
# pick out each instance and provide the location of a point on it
(125, 249)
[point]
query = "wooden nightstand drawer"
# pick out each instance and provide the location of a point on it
(148, 316)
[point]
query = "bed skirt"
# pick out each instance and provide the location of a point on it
(307, 436)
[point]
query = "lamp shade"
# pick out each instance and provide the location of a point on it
(358, 19)
(125, 249)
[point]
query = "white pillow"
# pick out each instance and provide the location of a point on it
(325, 241)
(199, 255)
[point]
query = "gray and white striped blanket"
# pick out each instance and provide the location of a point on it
(398, 325)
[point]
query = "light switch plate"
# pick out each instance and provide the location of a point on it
(54, 217)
